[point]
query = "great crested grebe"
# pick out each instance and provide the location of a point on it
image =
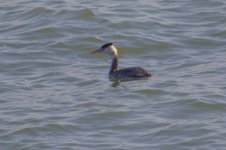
(132, 72)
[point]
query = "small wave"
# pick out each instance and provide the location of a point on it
(201, 104)
(36, 130)
(91, 39)
(197, 105)
(103, 116)
(85, 13)
(47, 30)
(121, 24)
(37, 11)
(61, 45)
(220, 34)
(152, 91)
(40, 33)
(207, 42)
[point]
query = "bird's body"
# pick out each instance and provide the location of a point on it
(132, 72)
(115, 72)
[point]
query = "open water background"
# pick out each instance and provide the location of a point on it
(54, 95)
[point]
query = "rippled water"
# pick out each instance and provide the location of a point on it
(55, 95)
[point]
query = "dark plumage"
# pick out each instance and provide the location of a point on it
(132, 72)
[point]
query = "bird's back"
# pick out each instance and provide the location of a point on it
(133, 72)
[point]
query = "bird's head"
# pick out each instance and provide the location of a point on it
(108, 48)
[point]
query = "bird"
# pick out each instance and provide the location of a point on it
(115, 72)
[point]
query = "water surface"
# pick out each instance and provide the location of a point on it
(55, 95)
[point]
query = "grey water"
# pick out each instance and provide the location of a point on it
(54, 95)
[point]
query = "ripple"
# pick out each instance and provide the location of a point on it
(91, 39)
(40, 33)
(204, 42)
(61, 45)
(38, 11)
(38, 130)
(204, 105)
(152, 91)
(219, 34)
(49, 30)
(85, 13)
(98, 117)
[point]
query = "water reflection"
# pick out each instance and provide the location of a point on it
(117, 81)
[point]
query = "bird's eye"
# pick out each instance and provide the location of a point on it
(102, 48)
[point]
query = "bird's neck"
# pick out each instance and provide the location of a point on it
(114, 63)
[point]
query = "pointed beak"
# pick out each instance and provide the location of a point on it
(95, 51)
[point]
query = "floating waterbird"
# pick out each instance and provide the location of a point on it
(115, 72)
